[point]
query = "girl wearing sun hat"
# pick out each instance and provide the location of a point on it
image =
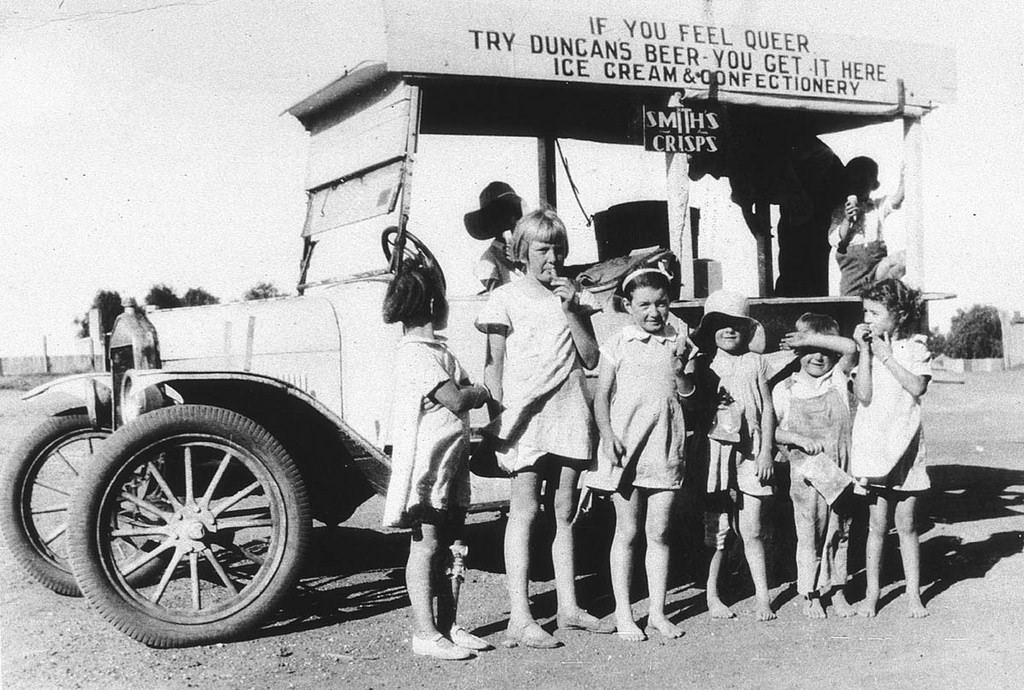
(735, 427)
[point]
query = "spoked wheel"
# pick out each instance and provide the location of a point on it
(412, 251)
(37, 482)
(221, 507)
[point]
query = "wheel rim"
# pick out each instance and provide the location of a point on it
(212, 513)
(46, 492)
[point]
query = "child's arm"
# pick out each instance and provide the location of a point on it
(765, 468)
(580, 326)
(914, 384)
(461, 399)
(494, 365)
(602, 409)
(845, 347)
(807, 444)
(683, 367)
(863, 386)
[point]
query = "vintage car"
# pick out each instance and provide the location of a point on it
(177, 491)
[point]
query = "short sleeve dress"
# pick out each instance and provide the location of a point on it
(729, 384)
(430, 443)
(546, 407)
(888, 439)
(645, 411)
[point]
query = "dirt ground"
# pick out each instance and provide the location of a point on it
(347, 623)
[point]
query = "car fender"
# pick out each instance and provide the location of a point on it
(80, 393)
(342, 469)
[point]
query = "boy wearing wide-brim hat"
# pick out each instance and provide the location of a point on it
(500, 209)
(735, 425)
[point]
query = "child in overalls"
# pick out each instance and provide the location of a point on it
(813, 410)
(856, 230)
(428, 491)
(736, 427)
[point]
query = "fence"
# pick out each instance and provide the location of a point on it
(58, 356)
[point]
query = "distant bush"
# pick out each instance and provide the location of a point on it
(974, 334)
(262, 291)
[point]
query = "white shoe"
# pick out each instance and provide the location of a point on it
(467, 640)
(439, 647)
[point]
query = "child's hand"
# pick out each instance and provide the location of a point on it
(567, 292)
(862, 336)
(481, 396)
(792, 341)
(882, 346)
(681, 357)
(617, 448)
(811, 446)
(765, 468)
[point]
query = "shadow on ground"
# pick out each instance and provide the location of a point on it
(356, 573)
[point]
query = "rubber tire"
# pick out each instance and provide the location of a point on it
(92, 569)
(19, 536)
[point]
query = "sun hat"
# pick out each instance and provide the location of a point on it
(723, 308)
(499, 204)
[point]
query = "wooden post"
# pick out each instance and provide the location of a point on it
(46, 357)
(547, 194)
(763, 236)
(913, 200)
(677, 194)
(96, 339)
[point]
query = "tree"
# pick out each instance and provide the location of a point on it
(263, 290)
(197, 296)
(109, 304)
(162, 297)
(975, 333)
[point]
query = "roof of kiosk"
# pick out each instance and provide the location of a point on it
(486, 70)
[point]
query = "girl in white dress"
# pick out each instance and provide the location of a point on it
(539, 339)
(887, 452)
(637, 406)
(428, 490)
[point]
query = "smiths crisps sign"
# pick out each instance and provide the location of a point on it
(685, 129)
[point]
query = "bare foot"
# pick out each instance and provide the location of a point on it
(915, 609)
(664, 626)
(813, 609)
(868, 608)
(628, 631)
(842, 606)
(763, 611)
(718, 610)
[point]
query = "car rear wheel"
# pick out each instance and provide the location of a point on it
(220, 505)
(37, 481)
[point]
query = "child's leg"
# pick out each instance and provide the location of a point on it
(808, 521)
(523, 509)
(750, 518)
(878, 525)
(716, 530)
(910, 550)
(419, 579)
(837, 545)
(563, 478)
(627, 517)
(659, 512)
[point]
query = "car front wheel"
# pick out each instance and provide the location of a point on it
(218, 504)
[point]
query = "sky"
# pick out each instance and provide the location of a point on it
(143, 142)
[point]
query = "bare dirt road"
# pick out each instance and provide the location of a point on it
(347, 623)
